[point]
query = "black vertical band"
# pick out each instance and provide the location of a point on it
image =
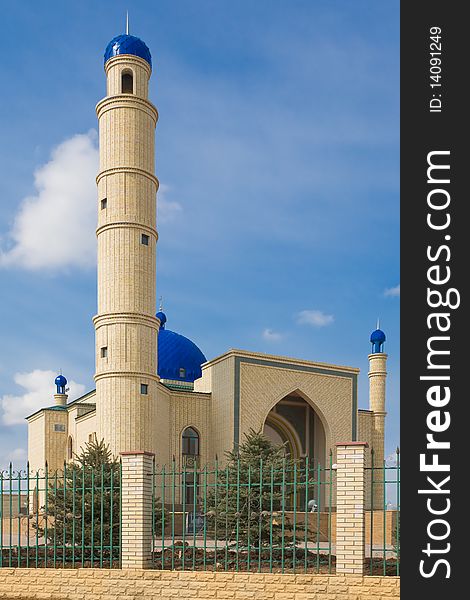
(434, 251)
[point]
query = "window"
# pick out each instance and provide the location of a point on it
(127, 83)
(182, 373)
(144, 388)
(91, 437)
(145, 239)
(104, 352)
(104, 203)
(190, 442)
(59, 427)
(192, 491)
(70, 448)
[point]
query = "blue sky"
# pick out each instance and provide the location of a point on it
(278, 158)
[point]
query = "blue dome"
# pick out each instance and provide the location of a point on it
(162, 316)
(127, 44)
(377, 339)
(179, 359)
(60, 381)
(377, 336)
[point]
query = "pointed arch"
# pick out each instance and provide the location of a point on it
(299, 392)
(190, 441)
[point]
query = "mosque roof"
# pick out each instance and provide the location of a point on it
(127, 44)
(179, 359)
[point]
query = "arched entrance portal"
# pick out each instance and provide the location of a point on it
(293, 422)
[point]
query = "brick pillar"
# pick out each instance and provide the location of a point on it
(350, 505)
(136, 517)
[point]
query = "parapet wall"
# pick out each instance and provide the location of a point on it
(130, 584)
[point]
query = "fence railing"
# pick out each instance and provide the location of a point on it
(244, 517)
(383, 519)
(63, 518)
(253, 517)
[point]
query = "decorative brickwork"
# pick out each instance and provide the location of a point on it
(136, 510)
(350, 490)
(99, 584)
(126, 324)
(377, 380)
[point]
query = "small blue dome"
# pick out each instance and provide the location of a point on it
(179, 359)
(162, 316)
(127, 44)
(377, 336)
(60, 381)
(377, 339)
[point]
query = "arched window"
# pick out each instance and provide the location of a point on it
(69, 448)
(127, 82)
(190, 442)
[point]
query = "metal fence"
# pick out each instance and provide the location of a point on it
(383, 518)
(63, 518)
(240, 516)
(245, 517)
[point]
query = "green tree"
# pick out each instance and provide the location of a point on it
(249, 499)
(82, 505)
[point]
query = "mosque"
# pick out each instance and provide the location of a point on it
(155, 390)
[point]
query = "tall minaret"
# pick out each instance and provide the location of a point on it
(126, 326)
(377, 378)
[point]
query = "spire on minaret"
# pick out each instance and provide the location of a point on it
(127, 22)
(161, 304)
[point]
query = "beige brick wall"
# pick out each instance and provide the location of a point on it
(190, 409)
(163, 428)
(262, 387)
(136, 510)
(350, 525)
(222, 377)
(365, 433)
(55, 441)
(83, 427)
(96, 584)
(36, 442)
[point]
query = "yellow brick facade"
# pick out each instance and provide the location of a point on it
(235, 394)
(126, 326)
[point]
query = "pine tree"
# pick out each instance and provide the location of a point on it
(248, 502)
(83, 501)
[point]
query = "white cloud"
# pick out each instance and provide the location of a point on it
(315, 318)
(393, 292)
(39, 391)
(167, 209)
(271, 336)
(56, 227)
(18, 454)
